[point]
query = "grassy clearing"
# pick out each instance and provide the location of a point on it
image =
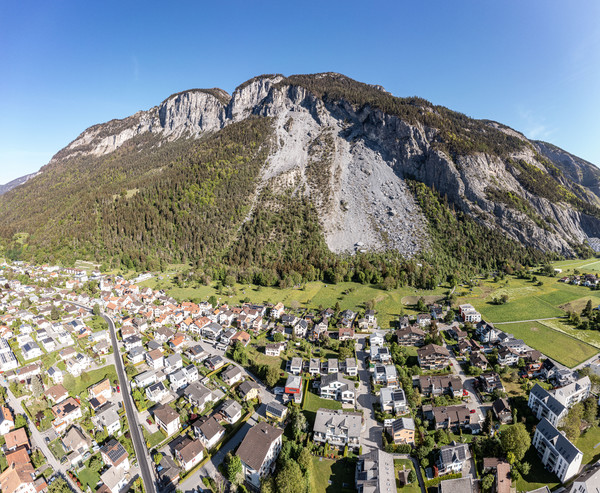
(331, 476)
(538, 475)
(587, 265)
(350, 295)
(88, 478)
(313, 402)
(57, 449)
(400, 464)
(76, 386)
(586, 443)
(557, 345)
(153, 439)
(589, 336)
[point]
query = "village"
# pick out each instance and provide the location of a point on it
(115, 387)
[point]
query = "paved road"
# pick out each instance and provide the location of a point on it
(37, 439)
(371, 433)
(139, 445)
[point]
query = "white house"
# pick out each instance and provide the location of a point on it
(258, 452)
(556, 452)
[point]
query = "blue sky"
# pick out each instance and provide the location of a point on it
(533, 65)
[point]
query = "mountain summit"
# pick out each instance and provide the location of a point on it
(318, 163)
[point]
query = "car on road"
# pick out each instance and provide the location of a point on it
(118, 388)
(63, 460)
(47, 440)
(473, 411)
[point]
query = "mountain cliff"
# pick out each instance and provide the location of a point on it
(7, 187)
(290, 170)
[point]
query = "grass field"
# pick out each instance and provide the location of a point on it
(76, 386)
(586, 443)
(589, 336)
(350, 295)
(313, 402)
(88, 477)
(57, 449)
(557, 345)
(331, 476)
(399, 464)
(538, 476)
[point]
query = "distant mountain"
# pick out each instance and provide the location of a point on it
(15, 183)
(288, 173)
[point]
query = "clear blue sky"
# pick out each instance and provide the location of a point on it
(65, 65)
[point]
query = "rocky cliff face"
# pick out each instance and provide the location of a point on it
(353, 161)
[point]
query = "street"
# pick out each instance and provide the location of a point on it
(372, 430)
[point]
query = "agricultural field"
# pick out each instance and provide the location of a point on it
(557, 345)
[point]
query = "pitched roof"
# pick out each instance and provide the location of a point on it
(561, 443)
(348, 423)
(18, 456)
(16, 438)
(115, 452)
(15, 476)
(166, 414)
(189, 449)
(209, 427)
(255, 445)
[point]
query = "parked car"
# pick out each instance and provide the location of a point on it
(149, 421)
(118, 389)
(472, 411)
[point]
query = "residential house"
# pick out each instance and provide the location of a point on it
(100, 393)
(332, 365)
(488, 382)
(295, 366)
(487, 333)
(114, 454)
(346, 333)
(380, 354)
(232, 375)
(156, 392)
(31, 350)
(393, 400)
(173, 363)
(231, 411)
(469, 314)
(451, 417)
(209, 431)
(18, 479)
(385, 375)
(293, 385)
(423, 319)
(155, 359)
(136, 355)
(479, 360)
(436, 385)
(132, 342)
(276, 411)
(198, 395)
(502, 410)
(274, 349)
(258, 452)
(337, 428)
(453, 457)
(314, 367)
(144, 379)
(433, 357)
(248, 390)
(410, 336)
(77, 444)
(556, 452)
(546, 406)
(16, 438)
(403, 431)
(189, 453)
(7, 421)
(507, 357)
(108, 418)
(587, 482)
(167, 419)
(66, 413)
(57, 393)
(351, 367)
(575, 392)
(214, 362)
(338, 388)
(375, 473)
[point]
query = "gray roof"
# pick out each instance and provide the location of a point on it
(231, 407)
(375, 472)
(461, 485)
(403, 424)
(276, 408)
(255, 445)
(561, 443)
(333, 377)
(173, 359)
(454, 452)
(338, 420)
(209, 427)
(548, 399)
(197, 392)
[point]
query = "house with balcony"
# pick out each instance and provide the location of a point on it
(337, 428)
(259, 451)
(433, 357)
(336, 387)
(556, 452)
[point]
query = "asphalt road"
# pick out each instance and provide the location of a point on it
(139, 445)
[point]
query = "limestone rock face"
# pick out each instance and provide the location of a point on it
(353, 162)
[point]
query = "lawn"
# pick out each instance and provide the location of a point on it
(399, 464)
(589, 336)
(538, 475)
(77, 385)
(331, 476)
(313, 402)
(583, 265)
(89, 478)
(57, 449)
(153, 439)
(557, 345)
(586, 443)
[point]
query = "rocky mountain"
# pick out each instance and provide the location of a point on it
(336, 157)
(7, 187)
